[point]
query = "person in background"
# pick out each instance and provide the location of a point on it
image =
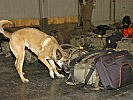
(86, 14)
(127, 27)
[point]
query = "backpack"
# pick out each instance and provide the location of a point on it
(82, 70)
(114, 69)
(111, 41)
(101, 29)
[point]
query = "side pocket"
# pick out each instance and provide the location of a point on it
(127, 72)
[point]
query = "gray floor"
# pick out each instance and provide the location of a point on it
(42, 87)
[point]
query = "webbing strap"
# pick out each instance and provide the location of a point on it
(89, 74)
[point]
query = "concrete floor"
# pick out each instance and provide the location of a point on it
(42, 87)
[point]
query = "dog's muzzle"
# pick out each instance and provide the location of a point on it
(66, 67)
(63, 65)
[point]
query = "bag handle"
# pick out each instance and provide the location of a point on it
(118, 58)
(126, 63)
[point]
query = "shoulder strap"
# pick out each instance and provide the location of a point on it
(89, 74)
(72, 74)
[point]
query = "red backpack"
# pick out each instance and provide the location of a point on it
(128, 33)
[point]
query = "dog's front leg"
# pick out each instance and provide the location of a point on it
(44, 60)
(54, 69)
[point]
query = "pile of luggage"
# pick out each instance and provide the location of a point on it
(106, 69)
(125, 44)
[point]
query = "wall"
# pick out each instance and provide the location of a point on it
(62, 11)
(123, 7)
(108, 11)
(59, 8)
(29, 12)
(59, 11)
(102, 11)
(21, 12)
(19, 9)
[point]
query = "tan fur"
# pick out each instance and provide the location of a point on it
(43, 45)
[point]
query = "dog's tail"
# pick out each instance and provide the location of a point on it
(2, 22)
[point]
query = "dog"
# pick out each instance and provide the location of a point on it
(44, 46)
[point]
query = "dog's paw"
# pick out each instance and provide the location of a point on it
(60, 76)
(51, 74)
(25, 81)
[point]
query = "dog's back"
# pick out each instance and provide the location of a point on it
(31, 38)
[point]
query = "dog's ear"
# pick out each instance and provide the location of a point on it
(58, 54)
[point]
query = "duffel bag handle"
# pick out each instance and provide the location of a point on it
(126, 63)
(116, 60)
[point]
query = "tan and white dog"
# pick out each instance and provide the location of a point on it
(43, 45)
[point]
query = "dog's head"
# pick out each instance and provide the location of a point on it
(62, 60)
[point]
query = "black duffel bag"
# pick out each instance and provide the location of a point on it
(115, 69)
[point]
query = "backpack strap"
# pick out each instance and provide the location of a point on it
(89, 74)
(72, 74)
